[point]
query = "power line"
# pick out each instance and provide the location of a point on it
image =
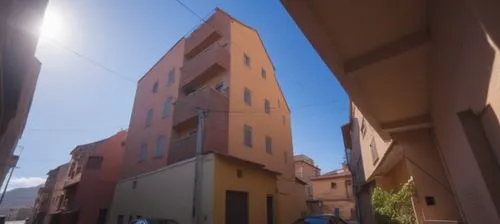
(91, 61)
(299, 84)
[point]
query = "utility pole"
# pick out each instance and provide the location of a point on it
(202, 114)
(7, 183)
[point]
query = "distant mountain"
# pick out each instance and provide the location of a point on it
(20, 198)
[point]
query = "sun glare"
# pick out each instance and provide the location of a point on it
(52, 24)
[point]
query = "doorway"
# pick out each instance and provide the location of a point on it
(270, 209)
(236, 207)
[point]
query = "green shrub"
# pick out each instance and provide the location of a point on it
(394, 207)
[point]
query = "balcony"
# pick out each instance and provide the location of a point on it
(72, 180)
(207, 98)
(212, 60)
(206, 34)
(182, 149)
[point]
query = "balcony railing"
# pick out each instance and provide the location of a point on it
(71, 180)
(205, 35)
(182, 149)
(207, 98)
(211, 61)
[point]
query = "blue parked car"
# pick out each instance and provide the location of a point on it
(320, 219)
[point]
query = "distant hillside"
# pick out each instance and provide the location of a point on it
(20, 198)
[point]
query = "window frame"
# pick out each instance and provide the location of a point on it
(247, 136)
(149, 118)
(155, 87)
(142, 152)
(160, 144)
(333, 185)
(246, 60)
(267, 106)
(171, 77)
(269, 145)
(247, 96)
(167, 107)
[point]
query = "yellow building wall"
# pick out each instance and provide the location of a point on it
(258, 183)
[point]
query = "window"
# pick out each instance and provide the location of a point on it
(160, 145)
(143, 152)
(246, 59)
(149, 118)
(333, 185)
(269, 145)
(166, 107)
(363, 127)
(285, 155)
(239, 173)
(247, 132)
(171, 77)
(279, 103)
(263, 74)
(247, 96)
(155, 87)
(373, 149)
(267, 106)
(283, 119)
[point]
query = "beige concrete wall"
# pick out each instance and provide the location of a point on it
(465, 71)
(339, 197)
(322, 188)
(164, 193)
(362, 153)
(423, 163)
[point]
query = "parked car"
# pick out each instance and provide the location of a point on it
(320, 219)
(153, 221)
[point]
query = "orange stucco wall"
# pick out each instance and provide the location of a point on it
(145, 99)
(246, 41)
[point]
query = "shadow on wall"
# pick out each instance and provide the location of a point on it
(362, 190)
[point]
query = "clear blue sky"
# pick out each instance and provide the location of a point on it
(77, 102)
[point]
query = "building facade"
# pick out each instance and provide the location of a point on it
(305, 170)
(20, 23)
(89, 183)
(222, 69)
(49, 195)
(334, 191)
(424, 74)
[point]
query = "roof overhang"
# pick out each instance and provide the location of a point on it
(378, 50)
